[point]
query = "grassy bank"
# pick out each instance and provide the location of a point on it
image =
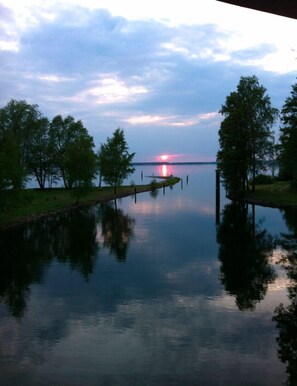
(280, 194)
(31, 204)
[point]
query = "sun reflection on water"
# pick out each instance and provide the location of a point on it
(165, 170)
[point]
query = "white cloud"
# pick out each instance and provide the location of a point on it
(166, 120)
(53, 78)
(110, 90)
(243, 28)
(156, 66)
(146, 119)
(9, 46)
(107, 90)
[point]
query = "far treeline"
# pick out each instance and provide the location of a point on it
(60, 149)
(247, 140)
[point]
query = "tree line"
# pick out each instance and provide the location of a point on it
(247, 140)
(61, 149)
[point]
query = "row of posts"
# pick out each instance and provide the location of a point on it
(164, 186)
(218, 198)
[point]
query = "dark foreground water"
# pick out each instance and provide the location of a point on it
(152, 292)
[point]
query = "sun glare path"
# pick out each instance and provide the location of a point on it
(164, 171)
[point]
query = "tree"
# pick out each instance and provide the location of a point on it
(80, 165)
(115, 160)
(245, 135)
(41, 155)
(9, 161)
(288, 137)
(18, 120)
(66, 136)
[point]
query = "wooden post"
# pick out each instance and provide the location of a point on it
(135, 195)
(182, 183)
(163, 189)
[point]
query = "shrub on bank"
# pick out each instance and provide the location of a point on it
(264, 179)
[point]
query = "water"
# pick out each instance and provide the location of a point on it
(151, 293)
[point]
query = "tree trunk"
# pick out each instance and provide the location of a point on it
(253, 174)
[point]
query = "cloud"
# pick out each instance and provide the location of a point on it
(171, 120)
(8, 40)
(112, 66)
(108, 90)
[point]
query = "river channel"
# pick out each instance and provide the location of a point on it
(155, 290)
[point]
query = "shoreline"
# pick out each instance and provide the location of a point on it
(279, 195)
(265, 203)
(124, 191)
(278, 201)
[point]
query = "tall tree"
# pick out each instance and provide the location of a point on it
(10, 171)
(66, 135)
(40, 159)
(80, 165)
(18, 120)
(288, 137)
(115, 159)
(245, 135)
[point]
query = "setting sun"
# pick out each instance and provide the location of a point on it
(164, 157)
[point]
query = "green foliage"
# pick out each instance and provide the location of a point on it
(245, 135)
(80, 164)
(288, 139)
(115, 159)
(32, 146)
(18, 121)
(40, 160)
(73, 151)
(154, 184)
(10, 171)
(263, 179)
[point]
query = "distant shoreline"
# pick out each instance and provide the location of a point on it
(172, 163)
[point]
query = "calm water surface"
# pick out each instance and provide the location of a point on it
(151, 292)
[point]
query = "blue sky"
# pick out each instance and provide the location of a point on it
(160, 70)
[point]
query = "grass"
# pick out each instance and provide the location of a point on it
(279, 194)
(31, 204)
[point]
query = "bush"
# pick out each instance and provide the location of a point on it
(153, 185)
(264, 179)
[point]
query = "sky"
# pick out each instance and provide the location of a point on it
(159, 70)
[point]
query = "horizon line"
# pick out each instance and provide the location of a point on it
(171, 163)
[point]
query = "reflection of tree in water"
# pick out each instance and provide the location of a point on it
(22, 263)
(69, 237)
(154, 193)
(286, 317)
(74, 240)
(117, 230)
(244, 251)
